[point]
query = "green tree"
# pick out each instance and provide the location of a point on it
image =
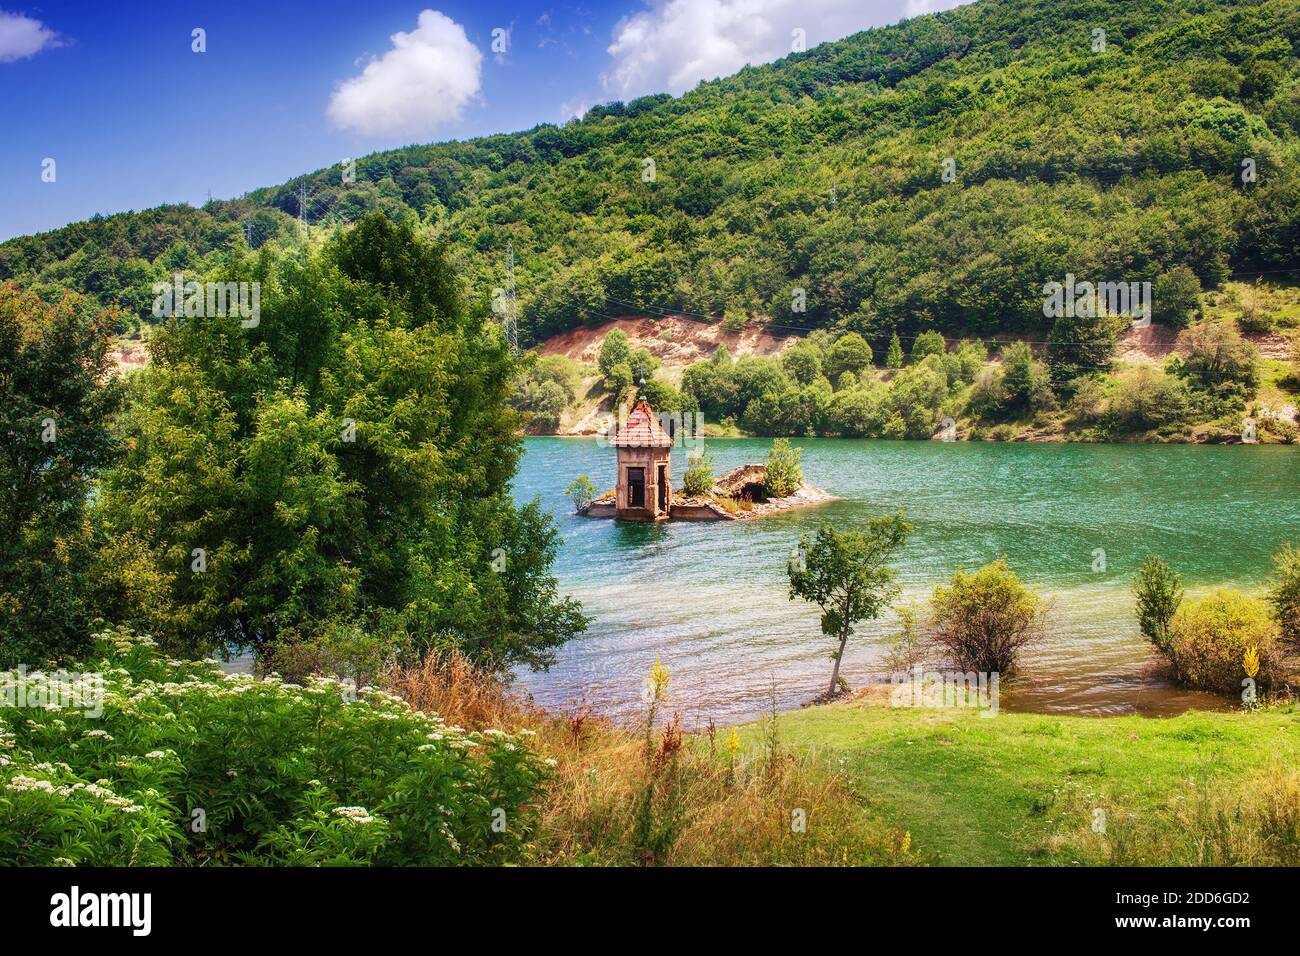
(1159, 594)
(1024, 379)
(894, 357)
(1216, 354)
(347, 459)
(850, 353)
(1079, 345)
(929, 342)
(845, 574)
(784, 473)
(1176, 297)
(802, 363)
(614, 351)
(57, 397)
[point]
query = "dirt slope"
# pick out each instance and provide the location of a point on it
(675, 340)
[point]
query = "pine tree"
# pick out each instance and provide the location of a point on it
(894, 357)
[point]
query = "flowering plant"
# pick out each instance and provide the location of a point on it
(186, 764)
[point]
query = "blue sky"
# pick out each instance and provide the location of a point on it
(133, 117)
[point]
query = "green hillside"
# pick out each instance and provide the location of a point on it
(825, 172)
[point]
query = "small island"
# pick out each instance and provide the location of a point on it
(644, 492)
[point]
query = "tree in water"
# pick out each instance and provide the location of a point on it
(845, 574)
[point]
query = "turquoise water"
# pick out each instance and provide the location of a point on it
(711, 599)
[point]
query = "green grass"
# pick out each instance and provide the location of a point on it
(1019, 789)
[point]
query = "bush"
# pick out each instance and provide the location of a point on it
(1256, 321)
(982, 621)
(1146, 398)
(581, 492)
(188, 765)
(1209, 640)
(1285, 594)
(698, 480)
(784, 474)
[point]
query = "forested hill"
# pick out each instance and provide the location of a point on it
(825, 172)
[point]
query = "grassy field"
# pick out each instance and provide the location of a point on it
(1023, 789)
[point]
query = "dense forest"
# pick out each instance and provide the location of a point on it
(929, 175)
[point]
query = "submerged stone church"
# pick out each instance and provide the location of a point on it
(644, 490)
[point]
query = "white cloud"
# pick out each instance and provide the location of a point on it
(426, 79)
(21, 37)
(676, 43)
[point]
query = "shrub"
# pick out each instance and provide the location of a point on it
(186, 764)
(784, 474)
(698, 480)
(1256, 321)
(1146, 398)
(581, 492)
(1209, 639)
(1285, 594)
(982, 621)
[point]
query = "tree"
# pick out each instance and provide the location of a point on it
(346, 460)
(850, 353)
(1024, 379)
(1217, 354)
(56, 399)
(1176, 297)
(1219, 640)
(982, 621)
(614, 351)
(783, 474)
(894, 357)
(802, 363)
(1079, 345)
(581, 492)
(929, 342)
(1159, 594)
(844, 573)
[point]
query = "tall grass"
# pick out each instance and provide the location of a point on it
(1216, 822)
(651, 795)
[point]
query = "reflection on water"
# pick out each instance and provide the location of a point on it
(711, 600)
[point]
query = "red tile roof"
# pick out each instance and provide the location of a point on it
(641, 430)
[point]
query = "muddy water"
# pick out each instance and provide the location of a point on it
(1074, 520)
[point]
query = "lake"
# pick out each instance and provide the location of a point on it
(1074, 520)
